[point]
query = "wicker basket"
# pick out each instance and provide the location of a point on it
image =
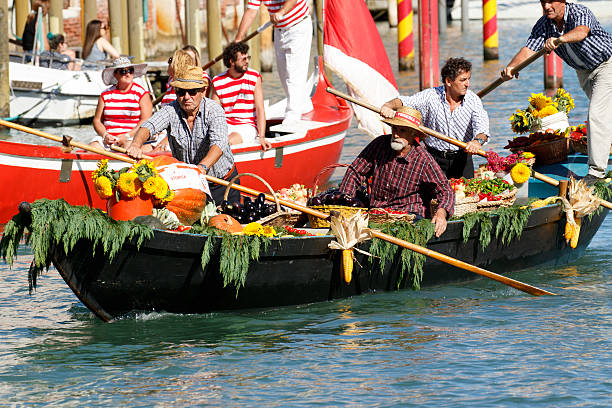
(550, 152)
(580, 147)
(463, 206)
(316, 222)
(315, 183)
(507, 199)
(388, 217)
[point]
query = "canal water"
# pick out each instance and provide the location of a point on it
(470, 344)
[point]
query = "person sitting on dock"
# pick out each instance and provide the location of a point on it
(196, 129)
(404, 175)
(96, 47)
(292, 41)
(573, 32)
(451, 109)
(240, 93)
(122, 107)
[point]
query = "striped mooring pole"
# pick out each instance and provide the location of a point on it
(405, 35)
(428, 44)
(489, 23)
(553, 71)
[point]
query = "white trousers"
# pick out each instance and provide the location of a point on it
(597, 85)
(292, 47)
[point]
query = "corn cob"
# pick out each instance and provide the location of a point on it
(347, 264)
(574, 240)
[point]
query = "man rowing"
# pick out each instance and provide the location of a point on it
(404, 175)
(451, 109)
(573, 32)
(196, 129)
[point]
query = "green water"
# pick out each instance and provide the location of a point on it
(472, 344)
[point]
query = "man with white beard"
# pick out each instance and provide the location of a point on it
(404, 176)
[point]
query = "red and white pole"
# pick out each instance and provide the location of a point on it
(553, 71)
(428, 44)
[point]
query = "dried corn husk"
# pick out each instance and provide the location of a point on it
(350, 231)
(581, 202)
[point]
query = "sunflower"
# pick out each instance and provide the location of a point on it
(547, 111)
(520, 173)
(129, 185)
(253, 228)
(103, 187)
(268, 231)
(149, 186)
(539, 101)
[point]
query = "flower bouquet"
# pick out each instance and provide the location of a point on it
(543, 112)
(131, 191)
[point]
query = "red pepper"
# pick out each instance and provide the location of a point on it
(183, 228)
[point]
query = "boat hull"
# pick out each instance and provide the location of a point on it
(166, 273)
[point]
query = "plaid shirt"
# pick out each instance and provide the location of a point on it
(464, 123)
(209, 128)
(403, 183)
(586, 54)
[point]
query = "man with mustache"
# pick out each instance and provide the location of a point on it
(404, 175)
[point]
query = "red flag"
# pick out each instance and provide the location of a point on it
(355, 52)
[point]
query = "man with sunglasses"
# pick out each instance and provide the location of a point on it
(196, 129)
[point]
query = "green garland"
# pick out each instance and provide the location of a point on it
(419, 234)
(55, 222)
(602, 190)
(510, 224)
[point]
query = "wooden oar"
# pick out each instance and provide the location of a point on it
(220, 57)
(450, 140)
(378, 234)
(487, 89)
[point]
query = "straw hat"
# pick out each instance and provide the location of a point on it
(122, 62)
(190, 78)
(406, 116)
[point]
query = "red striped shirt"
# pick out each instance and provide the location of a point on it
(237, 96)
(122, 108)
(170, 95)
(294, 16)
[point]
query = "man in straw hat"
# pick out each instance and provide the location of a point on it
(453, 110)
(196, 129)
(404, 175)
(587, 47)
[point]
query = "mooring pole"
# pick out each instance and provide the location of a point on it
(392, 12)
(89, 11)
(489, 22)
(465, 14)
(5, 94)
(428, 43)
(553, 71)
(135, 29)
(266, 53)
(192, 21)
(56, 17)
(22, 8)
(255, 43)
(442, 23)
(214, 34)
(405, 35)
(123, 26)
(114, 17)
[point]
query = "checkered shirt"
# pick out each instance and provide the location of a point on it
(588, 53)
(464, 123)
(402, 183)
(209, 128)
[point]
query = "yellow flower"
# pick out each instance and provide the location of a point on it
(161, 187)
(169, 197)
(268, 231)
(129, 185)
(149, 186)
(528, 155)
(547, 111)
(520, 173)
(102, 167)
(539, 101)
(103, 187)
(253, 228)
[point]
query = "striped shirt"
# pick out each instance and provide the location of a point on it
(406, 183)
(464, 123)
(190, 146)
(237, 96)
(121, 108)
(586, 54)
(170, 95)
(291, 18)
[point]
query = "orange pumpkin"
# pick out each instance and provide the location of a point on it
(188, 203)
(225, 222)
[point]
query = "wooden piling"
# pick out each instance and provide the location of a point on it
(428, 44)
(213, 19)
(489, 25)
(192, 22)
(56, 17)
(89, 11)
(135, 30)
(405, 35)
(124, 33)
(442, 23)
(5, 94)
(465, 15)
(553, 71)
(115, 21)
(22, 8)
(254, 43)
(392, 9)
(266, 51)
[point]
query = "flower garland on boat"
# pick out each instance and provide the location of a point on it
(540, 106)
(140, 180)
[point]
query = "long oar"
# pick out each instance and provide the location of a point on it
(450, 140)
(220, 57)
(378, 234)
(487, 89)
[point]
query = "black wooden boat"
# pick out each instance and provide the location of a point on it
(165, 274)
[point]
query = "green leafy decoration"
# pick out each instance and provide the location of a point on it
(511, 222)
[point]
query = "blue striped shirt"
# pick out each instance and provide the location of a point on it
(190, 146)
(586, 54)
(464, 123)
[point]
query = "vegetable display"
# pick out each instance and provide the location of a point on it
(250, 210)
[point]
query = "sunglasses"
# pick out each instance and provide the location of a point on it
(180, 92)
(124, 71)
(169, 60)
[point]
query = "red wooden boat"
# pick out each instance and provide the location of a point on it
(29, 172)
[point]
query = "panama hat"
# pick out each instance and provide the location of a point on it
(190, 78)
(406, 116)
(108, 76)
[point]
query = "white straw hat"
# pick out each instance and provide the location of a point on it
(108, 76)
